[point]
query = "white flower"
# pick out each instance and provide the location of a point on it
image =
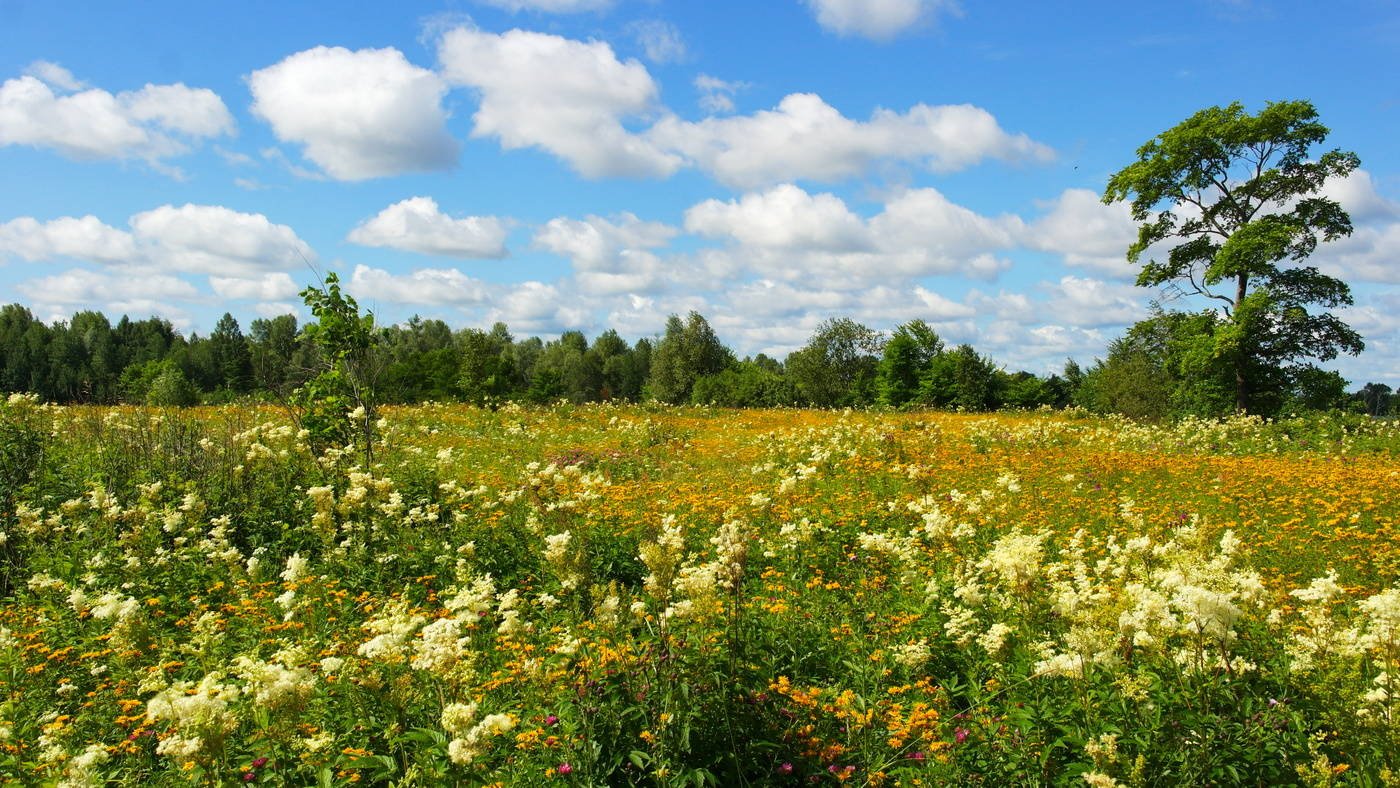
(296, 568)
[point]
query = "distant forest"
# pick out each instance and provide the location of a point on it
(90, 359)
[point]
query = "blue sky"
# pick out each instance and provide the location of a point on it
(584, 164)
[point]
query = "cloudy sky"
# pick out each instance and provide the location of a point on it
(584, 164)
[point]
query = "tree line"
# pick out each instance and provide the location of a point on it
(1229, 207)
(1148, 373)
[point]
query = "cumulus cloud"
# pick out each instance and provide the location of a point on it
(268, 287)
(806, 138)
(438, 286)
(786, 233)
(880, 20)
(418, 225)
(609, 256)
(362, 114)
(1094, 303)
(575, 99)
(212, 239)
(765, 298)
(206, 239)
(537, 306)
(564, 96)
(599, 244)
(938, 235)
(1369, 253)
(1358, 195)
(782, 217)
(58, 296)
(49, 108)
(66, 237)
(1086, 233)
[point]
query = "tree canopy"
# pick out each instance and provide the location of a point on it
(1239, 195)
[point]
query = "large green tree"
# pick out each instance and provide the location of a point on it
(1239, 197)
(837, 366)
(687, 351)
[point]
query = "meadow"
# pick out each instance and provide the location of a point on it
(648, 595)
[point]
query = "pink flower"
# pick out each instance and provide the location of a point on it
(550, 720)
(960, 735)
(259, 763)
(565, 768)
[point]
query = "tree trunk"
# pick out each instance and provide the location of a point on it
(1241, 385)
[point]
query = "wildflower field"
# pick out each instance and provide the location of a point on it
(600, 595)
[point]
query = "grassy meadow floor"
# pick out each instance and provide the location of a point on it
(610, 595)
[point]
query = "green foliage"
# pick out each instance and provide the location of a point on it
(907, 355)
(1163, 367)
(486, 371)
(687, 351)
(837, 366)
(24, 440)
(1375, 399)
(746, 385)
(1239, 195)
(338, 403)
(170, 387)
(961, 379)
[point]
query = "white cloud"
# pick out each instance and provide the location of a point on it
(877, 19)
(215, 240)
(717, 95)
(436, 286)
(196, 113)
(418, 225)
(1086, 233)
(362, 114)
(207, 239)
(782, 217)
(85, 238)
(609, 256)
(786, 233)
(270, 309)
(268, 287)
(1358, 195)
(550, 6)
(938, 308)
(1370, 252)
(1093, 303)
(804, 137)
(119, 293)
(766, 298)
(537, 306)
(564, 96)
(938, 235)
(598, 244)
(660, 40)
(54, 75)
(574, 100)
(154, 123)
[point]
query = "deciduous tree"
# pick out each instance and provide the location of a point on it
(1239, 196)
